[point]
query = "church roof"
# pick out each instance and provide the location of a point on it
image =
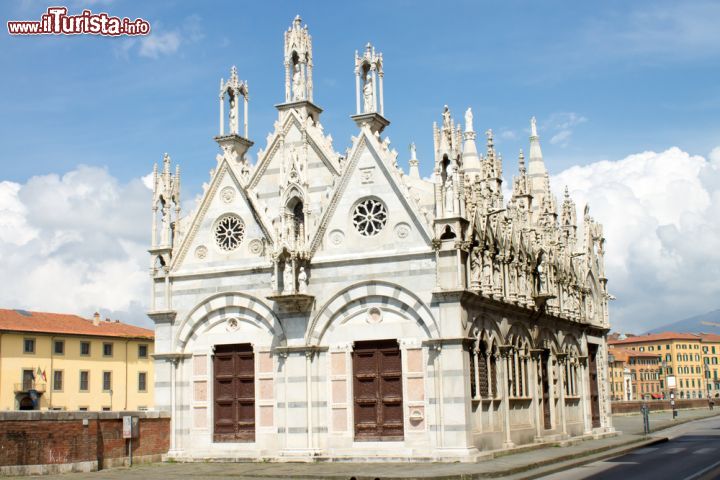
(654, 337)
(67, 324)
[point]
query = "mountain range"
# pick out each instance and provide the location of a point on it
(704, 323)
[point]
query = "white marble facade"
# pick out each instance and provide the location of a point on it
(498, 308)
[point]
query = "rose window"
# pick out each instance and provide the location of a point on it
(369, 217)
(229, 232)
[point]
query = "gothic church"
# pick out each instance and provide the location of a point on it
(325, 305)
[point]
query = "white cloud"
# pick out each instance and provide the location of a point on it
(75, 243)
(659, 212)
(561, 126)
(159, 43)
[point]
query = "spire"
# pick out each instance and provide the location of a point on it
(369, 102)
(298, 63)
(536, 167)
(471, 161)
(414, 163)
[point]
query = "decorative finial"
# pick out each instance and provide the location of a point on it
(567, 193)
(297, 20)
(469, 120)
(413, 151)
(533, 127)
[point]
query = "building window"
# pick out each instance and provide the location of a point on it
(369, 217)
(29, 345)
(83, 409)
(142, 382)
(84, 380)
(107, 349)
(229, 232)
(85, 349)
(105, 409)
(142, 408)
(58, 380)
(142, 351)
(59, 347)
(107, 381)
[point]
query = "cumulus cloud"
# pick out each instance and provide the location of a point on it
(162, 41)
(659, 211)
(75, 243)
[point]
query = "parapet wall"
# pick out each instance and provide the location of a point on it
(42, 442)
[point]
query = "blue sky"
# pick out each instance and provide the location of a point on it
(606, 80)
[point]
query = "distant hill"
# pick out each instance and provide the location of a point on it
(705, 323)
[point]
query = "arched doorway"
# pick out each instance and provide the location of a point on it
(26, 403)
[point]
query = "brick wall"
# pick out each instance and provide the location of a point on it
(77, 440)
(657, 405)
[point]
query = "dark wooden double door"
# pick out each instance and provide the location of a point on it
(594, 395)
(377, 386)
(234, 393)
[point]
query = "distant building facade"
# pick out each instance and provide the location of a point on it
(51, 361)
(691, 358)
(640, 379)
(315, 303)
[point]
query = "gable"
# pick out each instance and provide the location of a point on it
(224, 202)
(368, 183)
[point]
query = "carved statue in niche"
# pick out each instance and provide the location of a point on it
(475, 268)
(288, 279)
(449, 195)
(368, 94)
(298, 86)
(542, 275)
(512, 284)
(487, 271)
(233, 114)
(497, 278)
(302, 281)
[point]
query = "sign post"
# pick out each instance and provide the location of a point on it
(130, 431)
(671, 385)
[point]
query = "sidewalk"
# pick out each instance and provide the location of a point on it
(524, 465)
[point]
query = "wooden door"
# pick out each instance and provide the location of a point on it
(594, 396)
(545, 387)
(234, 393)
(377, 386)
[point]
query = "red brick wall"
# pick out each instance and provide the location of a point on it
(657, 405)
(38, 438)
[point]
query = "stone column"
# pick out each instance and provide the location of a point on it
(357, 92)
(222, 115)
(562, 358)
(374, 79)
(245, 115)
(382, 103)
(505, 358)
(534, 392)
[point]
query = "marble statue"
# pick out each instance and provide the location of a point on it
(469, 120)
(298, 88)
(233, 120)
(288, 279)
(368, 99)
(302, 281)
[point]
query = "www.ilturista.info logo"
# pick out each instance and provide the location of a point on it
(56, 21)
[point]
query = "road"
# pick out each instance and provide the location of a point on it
(692, 453)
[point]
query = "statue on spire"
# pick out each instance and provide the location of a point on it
(368, 94)
(469, 120)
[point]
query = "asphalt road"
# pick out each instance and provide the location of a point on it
(692, 453)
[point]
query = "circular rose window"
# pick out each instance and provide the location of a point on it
(369, 217)
(229, 232)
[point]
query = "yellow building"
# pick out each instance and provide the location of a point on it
(51, 361)
(711, 358)
(680, 354)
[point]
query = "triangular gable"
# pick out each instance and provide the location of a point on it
(292, 119)
(256, 224)
(366, 142)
